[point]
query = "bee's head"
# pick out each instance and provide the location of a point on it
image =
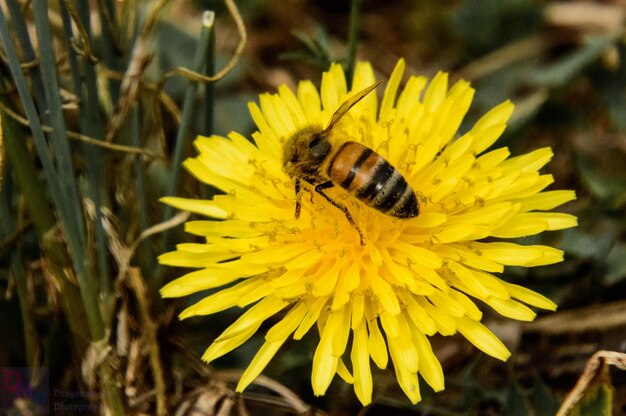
(305, 151)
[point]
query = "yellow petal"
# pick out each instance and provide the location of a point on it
(436, 92)
(220, 348)
(315, 308)
(364, 77)
(519, 227)
(419, 255)
(476, 261)
(418, 315)
(469, 279)
(471, 310)
(555, 220)
(232, 228)
(446, 303)
(445, 324)
(285, 327)
(385, 294)
(376, 345)
(324, 363)
(258, 363)
(529, 162)
(339, 323)
(309, 100)
(390, 324)
(512, 309)
(516, 255)
(409, 99)
(530, 297)
(254, 316)
(482, 338)
(430, 367)
(490, 126)
(224, 299)
(407, 379)
(343, 372)
(392, 89)
(207, 208)
(402, 348)
(358, 311)
(546, 200)
(360, 358)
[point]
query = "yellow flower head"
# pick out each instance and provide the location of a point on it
(410, 277)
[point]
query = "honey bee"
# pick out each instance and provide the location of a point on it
(310, 156)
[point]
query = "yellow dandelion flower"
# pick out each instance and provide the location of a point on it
(410, 277)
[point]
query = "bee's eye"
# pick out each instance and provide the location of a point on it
(319, 147)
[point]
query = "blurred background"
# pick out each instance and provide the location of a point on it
(100, 102)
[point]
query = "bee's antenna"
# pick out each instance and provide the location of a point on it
(348, 104)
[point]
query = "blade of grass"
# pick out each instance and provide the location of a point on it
(91, 124)
(209, 88)
(17, 269)
(110, 48)
(71, 53)
(39, 138)
(63, 186)
(19, 27)
(33, 191)
(147, 258)
(353, 38)
(72, 209)
(209, 70)
(187, 113)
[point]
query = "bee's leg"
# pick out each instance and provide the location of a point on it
(320, 190)
(297, 198)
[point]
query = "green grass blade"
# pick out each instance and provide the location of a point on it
(72, 211)
(209, 70)
(147, 258)
(19, 27)
(353, 38)
(91, 124)
(183, 134)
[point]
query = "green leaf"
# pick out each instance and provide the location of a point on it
(616, 265)
(596, 400)
(561, 72)
(543, 400)
(604, 177)
(316, 49)
(486, 25)
(515, 404)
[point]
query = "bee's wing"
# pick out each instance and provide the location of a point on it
(348, 104)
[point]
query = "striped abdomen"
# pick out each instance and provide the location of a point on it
(368, 176)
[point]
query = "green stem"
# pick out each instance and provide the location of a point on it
(71, 210)
(19, 26)
(146, 257)
(63, 185)
(189, 106)
(108, 42)
(209, 70)
(91, 125)
(7, 225)
(37, 205)
(353, 38)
